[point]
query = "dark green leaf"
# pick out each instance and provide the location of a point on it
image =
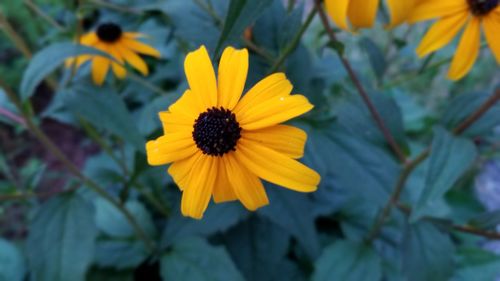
(427, 253)
(120, 254)
(337, 46)
(259, 248)
(376, 56)
(113, 223)
(348, 261)
(217, 218)
(47, 60)
(105, 110)
(477, 264)
(450, 158)
(463, 106)
(287, 210)
(486, 220)
(12, 265)
(240, 15)
(62, 239)
(195, 259)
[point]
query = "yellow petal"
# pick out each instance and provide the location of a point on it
(247, 187)
(181, 169)
(233, 68)
(275, 85)
(201, 77)
(337, 10)
(169, 148)
(173, 122)
(273, 112)
(140, 47)
(134, 35)
(132, 58)
(275, 167)
(431, 9)
(362, 13)
(100, 67)
(284, 139)
(89, 39)
(441, 33)
(399, 10)
(467, 50)
(223, 191)
(197, 194)
(491, 26)
(187, 105)
(118, 68)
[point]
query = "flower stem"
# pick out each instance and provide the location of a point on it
(293, 44)
(33, 7)
(17, 40)
(409, 167)
(364, 95)
(50, 146)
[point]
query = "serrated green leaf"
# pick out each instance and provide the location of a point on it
(195, 259)
(47, 60)
(12, 264)
(477, 264)
(450, 158)
(61, 239)
(348, 261)
(104, 109)
(240, 15)
(427, 253)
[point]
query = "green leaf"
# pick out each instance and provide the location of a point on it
(354, 115)
(217, 218)
(120, 254)
(113, 223)
(240, 15)
(287, 210)
(462, 106)
(47, 60)
(259, 248)
(12, 264)
(375, 55)
(488, 220)
(477, 264)
(348, 261)
(61, 240)
(450, 158)
(427, 253)
(195, 259)
(105, 110)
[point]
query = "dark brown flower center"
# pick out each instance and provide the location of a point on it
(109, 32)
(482, 7)
(216, 131)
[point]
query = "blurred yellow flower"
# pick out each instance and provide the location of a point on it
(362, 13)
(453, 15)
(123, 46)
(221, 144)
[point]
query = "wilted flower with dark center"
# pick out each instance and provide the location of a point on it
(221, 144)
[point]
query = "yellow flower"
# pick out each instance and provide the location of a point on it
(453, 16)
(362, 13)
(123, 46)
(220, 144)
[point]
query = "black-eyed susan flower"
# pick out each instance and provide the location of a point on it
(123, 46)
(362, 13)
(453, 16)
(221, 144)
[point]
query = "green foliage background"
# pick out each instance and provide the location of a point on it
(62, 230)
